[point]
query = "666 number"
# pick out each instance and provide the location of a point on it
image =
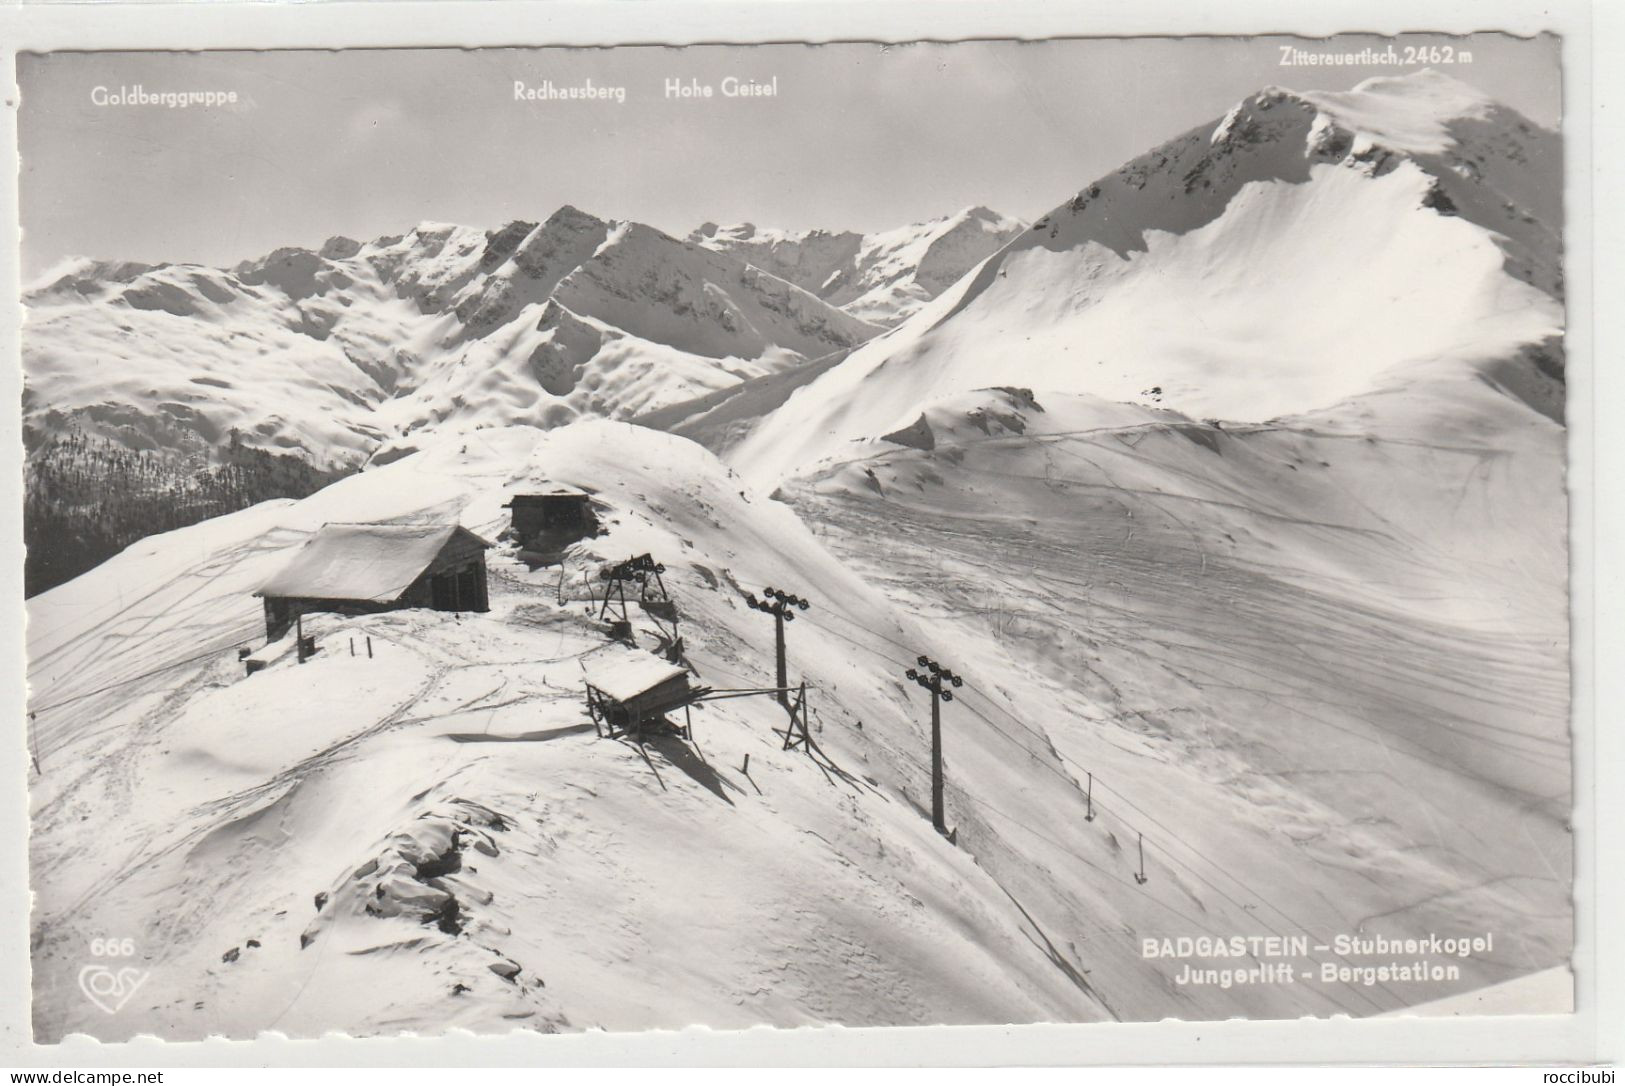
(112, 948)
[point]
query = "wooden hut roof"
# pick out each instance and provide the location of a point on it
(625, 675)
(374, 563)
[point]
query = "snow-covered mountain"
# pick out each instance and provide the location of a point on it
(1269, 493)
(1233, 489)
(315, 362)
(335, 352)
(882, 278)
(1302, 250)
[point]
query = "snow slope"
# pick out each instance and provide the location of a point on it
(332, 354)
(819, 893)
(1302, 250)
(882, 278)
(1349, 640)
(178, 357)
(1553, 988)
(331, 812)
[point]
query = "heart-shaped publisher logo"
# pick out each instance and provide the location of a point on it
(108, 988)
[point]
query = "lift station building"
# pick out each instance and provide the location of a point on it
(359, 569)
(552, 519)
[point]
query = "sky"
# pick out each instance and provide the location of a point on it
(367, 143)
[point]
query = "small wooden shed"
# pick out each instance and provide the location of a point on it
(357, 569)
(628, 690)
(553, 518)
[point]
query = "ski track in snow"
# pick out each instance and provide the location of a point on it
(956, 557)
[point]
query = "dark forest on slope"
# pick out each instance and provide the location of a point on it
(87, 498)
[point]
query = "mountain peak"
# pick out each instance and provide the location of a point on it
(1276, 263)
(569, 213)
(984, 217)
(79, 275)
(1427, 84)
(881, 277)
(1414, 113)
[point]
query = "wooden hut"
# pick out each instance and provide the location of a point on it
(358, 569)
(630, 691)
(552, 519)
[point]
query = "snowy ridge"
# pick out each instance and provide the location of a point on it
(573, 852)
(1278, 261)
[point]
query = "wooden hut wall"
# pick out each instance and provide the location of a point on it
(281, 612)
(659, 699)
(461, 581)
(567, 516)
(459, 568)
